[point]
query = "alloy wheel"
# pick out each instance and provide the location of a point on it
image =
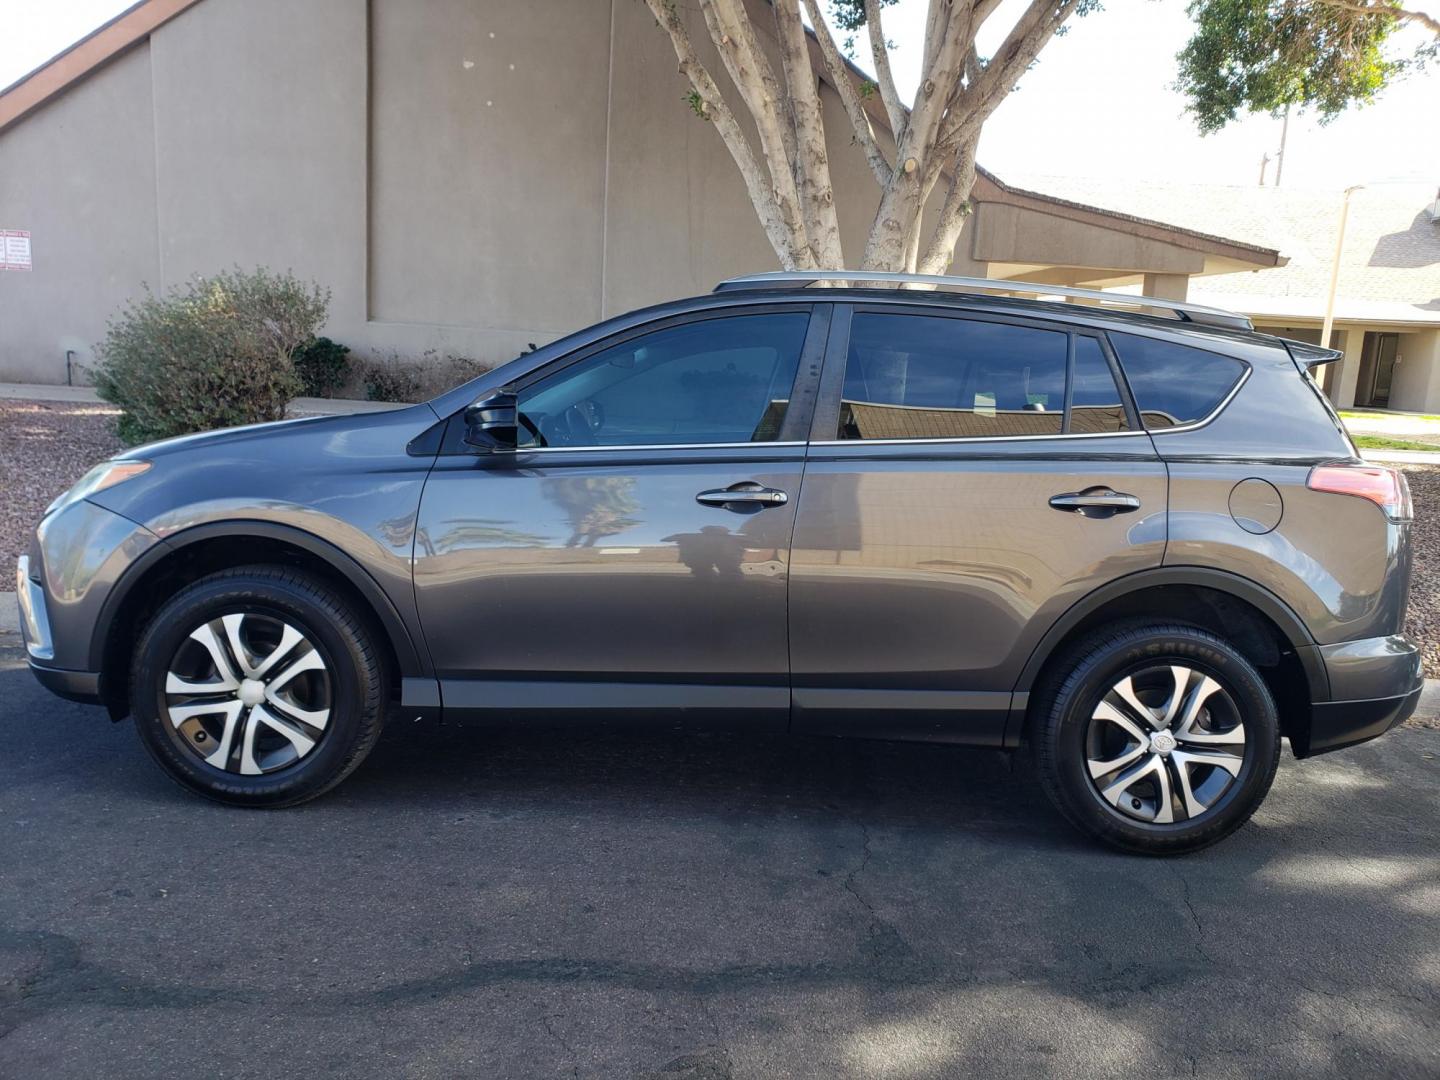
(1164, 744)
(248, 693)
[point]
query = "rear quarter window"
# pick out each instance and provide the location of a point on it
(1174, 384)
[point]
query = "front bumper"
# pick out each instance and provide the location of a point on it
(81, 686)
(1375, 684)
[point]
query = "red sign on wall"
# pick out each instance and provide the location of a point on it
(15, 250)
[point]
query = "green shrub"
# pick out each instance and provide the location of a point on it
(397, 378)
(216, 353)
(322, 365)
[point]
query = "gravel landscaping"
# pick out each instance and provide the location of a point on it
(1423, 623)
(45, 446)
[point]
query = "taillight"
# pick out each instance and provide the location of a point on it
(1386, 488)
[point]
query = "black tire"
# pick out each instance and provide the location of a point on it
(354, 685)
(1071, 692)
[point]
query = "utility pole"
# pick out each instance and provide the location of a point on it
(1264, 164)
(1328, 328)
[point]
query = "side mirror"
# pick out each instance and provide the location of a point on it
(491, 424)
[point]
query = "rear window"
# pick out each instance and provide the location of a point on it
(1174, 384)
(930, 377)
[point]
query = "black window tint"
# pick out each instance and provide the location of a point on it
(1174, 384)
(1095, 403)
(922, 377)
(714, 381)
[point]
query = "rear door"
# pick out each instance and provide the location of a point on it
(969, 478)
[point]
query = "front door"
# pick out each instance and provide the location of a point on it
(633, 551)
(970, 478)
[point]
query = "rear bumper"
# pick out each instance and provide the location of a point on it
(1335, 725)
(1375, 684)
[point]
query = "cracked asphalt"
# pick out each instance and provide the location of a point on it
(523, 905)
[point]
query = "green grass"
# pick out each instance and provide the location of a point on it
(1384, 442)
(1351, 414)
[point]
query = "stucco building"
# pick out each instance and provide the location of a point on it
(466, 176)
(1387, 297)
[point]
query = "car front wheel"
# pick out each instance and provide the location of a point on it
(258, 686)
(1155, 739)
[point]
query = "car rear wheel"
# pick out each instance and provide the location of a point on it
(1155, 739)
(258, 686)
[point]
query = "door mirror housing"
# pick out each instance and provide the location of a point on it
(491, 423)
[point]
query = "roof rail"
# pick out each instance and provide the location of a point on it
(799, 279)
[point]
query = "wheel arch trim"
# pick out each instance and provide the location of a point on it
(1266, 602)
(411, 659)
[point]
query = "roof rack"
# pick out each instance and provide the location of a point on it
(799, 279)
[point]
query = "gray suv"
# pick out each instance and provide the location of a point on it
(1128, 536)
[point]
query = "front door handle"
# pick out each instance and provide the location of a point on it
(747, 494)
(1096, 502)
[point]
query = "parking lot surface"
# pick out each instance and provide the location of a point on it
(526, 905)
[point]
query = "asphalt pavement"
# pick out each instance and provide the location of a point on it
(471, 904)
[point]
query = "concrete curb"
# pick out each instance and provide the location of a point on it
(1402, 457)
(9, 614)
(85, 395)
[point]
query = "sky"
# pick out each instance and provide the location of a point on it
(1098, 103)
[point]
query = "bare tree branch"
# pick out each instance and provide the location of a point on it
(844, 85)
(884, 79)
(941, 250)
(812, 162)
(1402, 14)
(750, 71)
(788, 241)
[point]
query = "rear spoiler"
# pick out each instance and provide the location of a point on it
(1311, 356)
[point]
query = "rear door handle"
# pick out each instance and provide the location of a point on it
(1096, 502)
(746, 494)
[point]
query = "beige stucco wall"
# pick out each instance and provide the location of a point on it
(82, 180)
(465, 176)
(1415, 384)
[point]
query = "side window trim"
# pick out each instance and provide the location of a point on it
(791, 430)
(826, 422)
(1122, 384)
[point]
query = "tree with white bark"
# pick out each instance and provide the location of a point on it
(1257, 55)
(930, 143)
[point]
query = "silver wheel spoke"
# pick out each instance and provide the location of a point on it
(309, 662)
(289, 638)
(248, 765)
(180, 713)
(221, 757)
(206, 636)
(1099, 768)
(1193, 806)
(1116, 790)
(1125, 690)
(316, 718)
(174, 684)
(1229, 762)
(303, 743)
(1107, 712)
(241, 655)
(1181, 675)
(1202, 693)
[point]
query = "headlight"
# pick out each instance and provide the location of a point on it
(106, 474)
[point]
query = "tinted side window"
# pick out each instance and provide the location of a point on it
(725, 380)
(1095, 403)
(1174, 384)
(923, 377)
